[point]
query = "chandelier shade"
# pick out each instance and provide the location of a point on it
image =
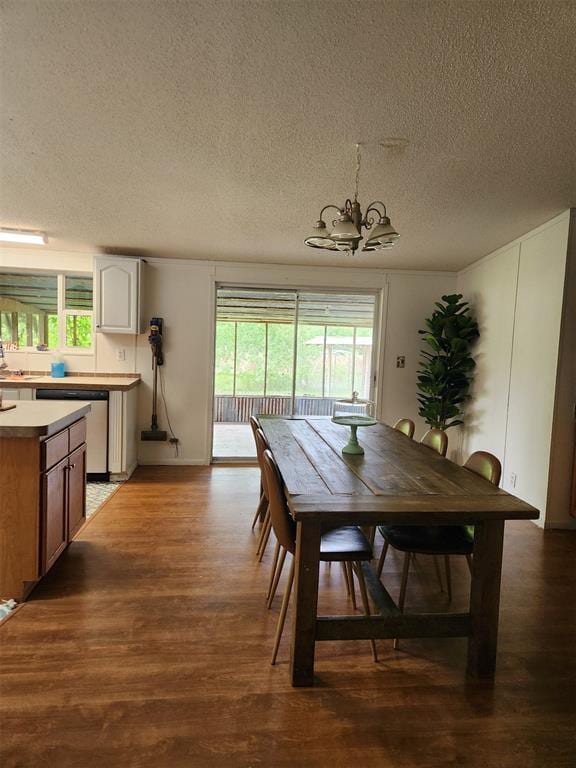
(383, 236)
(345, 231)
(320, 237)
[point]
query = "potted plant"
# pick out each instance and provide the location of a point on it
(447, 365)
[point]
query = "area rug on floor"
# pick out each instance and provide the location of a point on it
(6, 606)
(97, 493)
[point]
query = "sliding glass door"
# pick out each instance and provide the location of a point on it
(333, 350)
(287, 352)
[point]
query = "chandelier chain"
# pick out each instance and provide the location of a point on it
(357, 182)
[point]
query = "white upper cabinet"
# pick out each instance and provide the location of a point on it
(117, 294)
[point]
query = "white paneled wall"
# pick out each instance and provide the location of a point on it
(534, 364)
(517, 295)
(490, 287)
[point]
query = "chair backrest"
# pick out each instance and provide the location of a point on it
(282, 522)
(261, 446)
(406, 426)
(486, 465)
(254, 424)
(436, 439)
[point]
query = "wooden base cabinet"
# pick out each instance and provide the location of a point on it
(76, 491)
(63, 505)
(54, 533)
(42, 504)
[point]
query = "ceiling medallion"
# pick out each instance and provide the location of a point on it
(345, 232)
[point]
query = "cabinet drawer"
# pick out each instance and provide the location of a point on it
(77, 434)
(54, 449)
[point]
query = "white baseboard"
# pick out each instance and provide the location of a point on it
(173, 462)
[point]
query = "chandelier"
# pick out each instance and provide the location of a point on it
(345, 232)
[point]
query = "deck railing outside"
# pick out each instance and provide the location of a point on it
(238, 409)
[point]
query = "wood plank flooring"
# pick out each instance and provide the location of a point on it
(148, 645)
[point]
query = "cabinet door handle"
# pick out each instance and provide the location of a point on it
(71, 466)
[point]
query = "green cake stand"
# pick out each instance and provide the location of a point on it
(354, 421)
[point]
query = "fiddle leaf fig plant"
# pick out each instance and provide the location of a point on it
(447, 365)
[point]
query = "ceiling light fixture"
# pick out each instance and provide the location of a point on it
(345, 232)
(22, 236)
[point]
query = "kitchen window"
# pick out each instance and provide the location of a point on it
(46, 311)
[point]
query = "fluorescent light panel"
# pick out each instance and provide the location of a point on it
(22, 236)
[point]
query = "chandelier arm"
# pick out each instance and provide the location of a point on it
(376, 202)
(368, 222)
(326, 208)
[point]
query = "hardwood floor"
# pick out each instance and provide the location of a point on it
(148, 645)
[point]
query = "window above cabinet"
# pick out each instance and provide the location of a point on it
(46, 311)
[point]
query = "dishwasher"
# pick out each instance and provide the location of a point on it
(96, 425)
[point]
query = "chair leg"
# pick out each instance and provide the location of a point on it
(382, 558)
(260, 509)
(469, 561)
(266, 537)
(448, 577)
(403, 585)
(277, 574)
(274, 565)
(263, 532)
(351, 582)
(365, 603)
(372, 534)
(283, 610)
(346, 581)
(438, 574)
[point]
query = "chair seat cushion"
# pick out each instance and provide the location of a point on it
(345, 543)
(429, 539)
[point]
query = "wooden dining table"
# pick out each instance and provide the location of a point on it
(396, 482)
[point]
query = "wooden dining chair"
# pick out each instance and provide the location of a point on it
(437, 440)
(437, 540)
(346, 544)
(263, 502)
(261, 446)
(406, 426)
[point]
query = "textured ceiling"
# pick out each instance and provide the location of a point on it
(217, 130)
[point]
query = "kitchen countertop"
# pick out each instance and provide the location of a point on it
(39, 418)
(71, 382)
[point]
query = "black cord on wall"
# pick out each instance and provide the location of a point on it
(173, 439)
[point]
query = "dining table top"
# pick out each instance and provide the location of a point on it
(396, 479)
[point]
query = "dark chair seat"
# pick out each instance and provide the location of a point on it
(345, 543)
(429, 540)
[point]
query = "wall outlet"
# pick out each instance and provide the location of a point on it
(513, 478)
(120, 355)
(401, 361)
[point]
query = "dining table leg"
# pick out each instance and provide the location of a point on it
(307, 563)
(485, 598)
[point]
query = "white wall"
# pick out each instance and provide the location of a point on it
(517, 295)
(411, 298)
(183, 293)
